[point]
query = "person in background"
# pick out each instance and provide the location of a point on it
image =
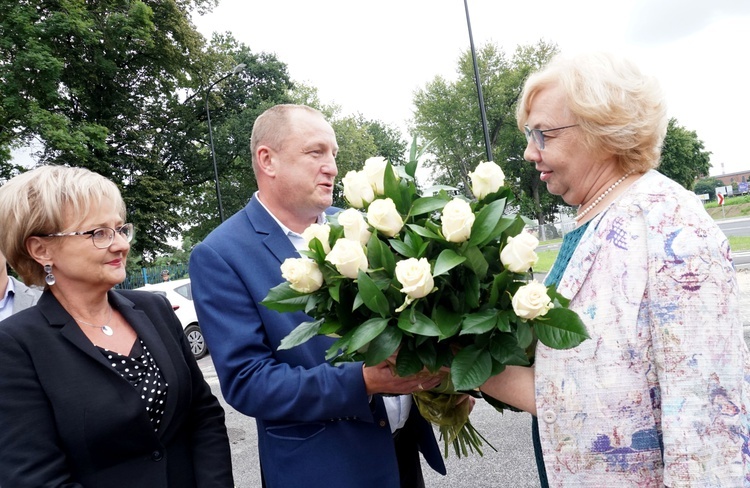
(658, 396)
(14, 295)
(164, 275)
(319, 425)
(98, 386)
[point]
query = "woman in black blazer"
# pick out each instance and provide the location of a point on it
(98, 388)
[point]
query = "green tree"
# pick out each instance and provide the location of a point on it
(708, 185)
(118, 87)
(448, 114)
(682, 156)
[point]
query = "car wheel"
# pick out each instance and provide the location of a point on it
(196, 341)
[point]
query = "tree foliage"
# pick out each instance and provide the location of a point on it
(118, 87)
(682, 156)
(447, 113)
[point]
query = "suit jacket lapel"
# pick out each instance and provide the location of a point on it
(147, 332)
(276, 241)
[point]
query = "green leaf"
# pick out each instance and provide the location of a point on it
(374, 299)
(301, 334)
(334, 290)
(383, 346)
(504, 349)
(560, 328)
(484, 226)
(476, 261)
(499, 286)
(411, 166)
(402, 248)
(391, 186)
(524, 334)
(426, 205)
(366, 332)
(425, 232)
(379, 254)
(470, 368)
(479, 322)
(408, 362)
(471, 290)
(446, 261)
(418, 323)
(448, 321)
(282, 298)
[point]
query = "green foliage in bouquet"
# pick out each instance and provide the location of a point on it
(438, 280)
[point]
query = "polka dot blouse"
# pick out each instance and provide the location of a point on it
(141, 371)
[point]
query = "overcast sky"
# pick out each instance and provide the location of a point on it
(370, 56)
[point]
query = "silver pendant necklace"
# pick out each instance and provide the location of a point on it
(105, 328)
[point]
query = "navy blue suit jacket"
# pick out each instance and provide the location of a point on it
(68, 419)
(316, 425)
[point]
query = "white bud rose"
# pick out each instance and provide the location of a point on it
(531, 301)
(357, 189)
(486, 179)
(457, 219)
(518, 255)
(355, 227)
(321, 231)
(415, 277)
(382, 215)
(348, 257)
(302, 274)
(374, 168)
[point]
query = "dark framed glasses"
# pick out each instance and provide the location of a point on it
(102, 237)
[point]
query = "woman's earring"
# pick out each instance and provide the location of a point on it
(50, 278)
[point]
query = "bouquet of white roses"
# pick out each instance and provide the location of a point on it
(439, 281)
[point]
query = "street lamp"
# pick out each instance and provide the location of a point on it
(235, 71)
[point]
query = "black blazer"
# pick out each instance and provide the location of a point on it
(68, 419)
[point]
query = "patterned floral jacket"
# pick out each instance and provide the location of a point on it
(659, 395)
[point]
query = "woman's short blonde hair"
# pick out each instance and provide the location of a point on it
(620, 110)
(42, 201)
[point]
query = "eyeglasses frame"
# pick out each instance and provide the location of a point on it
(540, 143)
(128, 237)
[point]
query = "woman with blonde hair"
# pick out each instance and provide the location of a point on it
(99, 387)
(658, 396)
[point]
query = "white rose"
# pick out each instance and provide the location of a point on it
(357, 189)
(531, 301)
(375, 170)
(457, 219)
(348, 257)
(302, 274)
(355, 227)
(382, 215)
(321, 231)
(486, 179)
(415, 277)
(518, 255)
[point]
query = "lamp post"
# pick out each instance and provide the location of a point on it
(482, 111)
(234, 71)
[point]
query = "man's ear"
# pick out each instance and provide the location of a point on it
(265, 159)
(39, 249)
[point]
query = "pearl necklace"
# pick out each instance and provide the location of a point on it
(601, 197)
(106, 329)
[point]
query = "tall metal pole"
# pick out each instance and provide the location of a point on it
(236, 70)
(482, 112)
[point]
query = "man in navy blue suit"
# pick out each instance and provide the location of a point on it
(318, 425)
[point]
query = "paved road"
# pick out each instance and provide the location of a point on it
(512, 466)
